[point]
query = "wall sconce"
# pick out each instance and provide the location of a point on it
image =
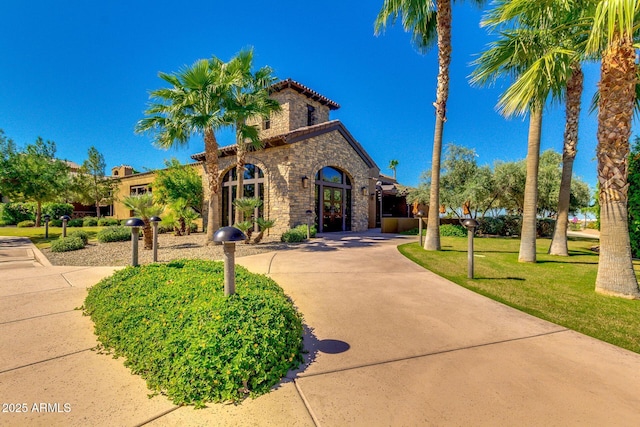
(365, 191)
(305, 182)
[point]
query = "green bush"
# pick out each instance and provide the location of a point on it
(27, 223)
(13, 213)
(106, 222)
(491, 225)
(545, 226)
(178, 331)
(66, 244)
(76, 222)
(83, 235)
(297, 234)
(453, 230)
(89, 221)
(55, 223)
(56, 210)
(117, 233)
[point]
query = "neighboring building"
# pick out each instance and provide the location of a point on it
(309, 162)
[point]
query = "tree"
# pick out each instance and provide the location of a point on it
(634, 198)
(178, 181)
(90, 184)
(194, 104)
(248, 98)
(393, 164)
(533, 55)
(32, 174)
(428, 20)
(145, 207)
(612, 37)
(509, 180)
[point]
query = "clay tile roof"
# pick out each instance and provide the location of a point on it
(304, 90)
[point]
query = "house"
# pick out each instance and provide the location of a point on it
(309, 163)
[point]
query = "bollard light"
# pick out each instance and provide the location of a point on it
(420, 214)
(64, 219)
(154, 223)
(379, 190)
(135, 224)
(471, 225)
(309, 212)
(47, 218)
(228, 236)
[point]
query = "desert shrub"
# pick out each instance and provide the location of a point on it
(76, 222)
(83, 235)
(116, 233)
(298, 234)
(177, 330)
(106, 222)
(27, 223)
(13, 213)
(545, 227)
(66, 244)
(56, 210)
(89, 221)
(491, 225)
(193, 228)
(453, 230)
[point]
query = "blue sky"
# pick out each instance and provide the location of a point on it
(79, 73)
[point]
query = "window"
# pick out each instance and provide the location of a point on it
(266, 124)
(253, 187)
(136, 190)
(311, 117)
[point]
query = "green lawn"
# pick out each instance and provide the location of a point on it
(558, 289)
(36, 234)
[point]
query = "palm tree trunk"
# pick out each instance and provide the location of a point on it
(615, 110)
(574, 93)
(529, 214)
(240, 161)
(211, 166)
(443, 23)
(147, 233)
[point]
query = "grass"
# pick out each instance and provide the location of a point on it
(557, 289)
(36, 234)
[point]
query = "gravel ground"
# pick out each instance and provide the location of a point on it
(169, 248)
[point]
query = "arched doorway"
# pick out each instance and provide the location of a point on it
(253, 187)
(333, 200)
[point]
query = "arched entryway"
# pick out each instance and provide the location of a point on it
(253, 187)
(333, 200)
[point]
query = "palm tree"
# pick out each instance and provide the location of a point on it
(531, 54)
(393, 164)
(248, 98)
(612, 36)
(192, 105)
(428, 20)
(144, 206)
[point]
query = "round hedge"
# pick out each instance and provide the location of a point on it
(115, 233)
(66, 244)
(177, 330)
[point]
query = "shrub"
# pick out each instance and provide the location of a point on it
(89, 221)
(56, 210)
(512, 225)
(453, 230)
(545, 226)
(297, 234)
(13, 213)
(83, 235)
(117, 233)
(55, 223)
(193, 228)
(178, 331)
(491, 225)
(106, 222)
(76, 222)
(66, 244)
(27, 223)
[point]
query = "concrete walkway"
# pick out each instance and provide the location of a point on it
(389, 344)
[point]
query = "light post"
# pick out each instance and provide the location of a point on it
(228, 236)
(154, 223)
(420, 214)
(47, 218)
(309, 212)
(379, 190)
(64, 219)
(135, 224)
(471, 225)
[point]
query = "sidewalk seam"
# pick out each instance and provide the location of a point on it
(45, 360)
(306, 404)
(156, 417)
(37, 317)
